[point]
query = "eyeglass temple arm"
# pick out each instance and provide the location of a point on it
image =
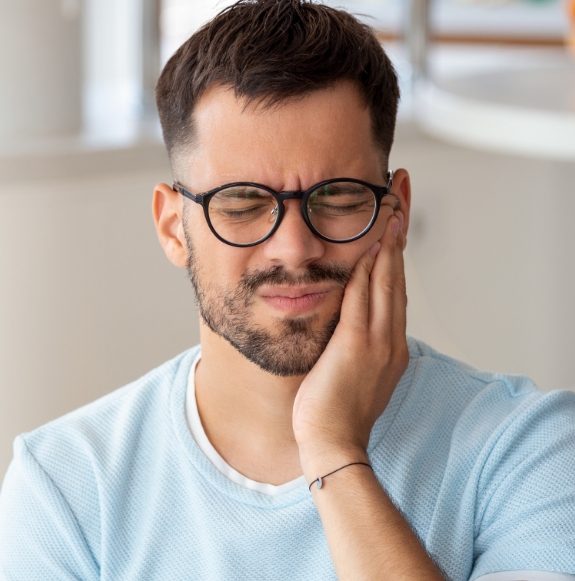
(198, 199)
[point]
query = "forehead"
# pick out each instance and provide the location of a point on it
(324, 134)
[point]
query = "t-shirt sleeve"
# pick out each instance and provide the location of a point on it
(525, 513)
(40, 537)
(526, 576)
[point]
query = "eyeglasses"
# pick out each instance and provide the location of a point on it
(245, 214)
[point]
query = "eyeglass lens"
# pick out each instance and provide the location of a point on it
(246, 214)
(243, 214)
(341, 210)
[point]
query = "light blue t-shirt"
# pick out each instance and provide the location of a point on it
(482, 466)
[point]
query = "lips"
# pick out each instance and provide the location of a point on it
(294, 292)
(295, 300)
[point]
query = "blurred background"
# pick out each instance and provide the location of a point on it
(88, 302)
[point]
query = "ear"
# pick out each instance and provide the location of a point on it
(402, 189)
(167, 208)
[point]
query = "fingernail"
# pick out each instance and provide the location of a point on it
(375, 249)
(395, 226)
(399, 214)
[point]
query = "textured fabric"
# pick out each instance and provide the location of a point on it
(526, 576)
(481, 465)
(199, 435)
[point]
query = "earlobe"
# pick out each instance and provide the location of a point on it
(167, 210)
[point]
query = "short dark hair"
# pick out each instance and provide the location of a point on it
(272, 51)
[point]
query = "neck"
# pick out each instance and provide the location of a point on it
(246, 412)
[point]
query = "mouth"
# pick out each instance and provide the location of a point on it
(295, 300)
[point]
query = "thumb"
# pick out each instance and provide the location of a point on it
(355, 305)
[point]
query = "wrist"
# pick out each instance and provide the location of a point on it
(318, 461)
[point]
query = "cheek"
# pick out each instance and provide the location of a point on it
(198, 229)
(217, 263)
(352, 251)
(220, 267)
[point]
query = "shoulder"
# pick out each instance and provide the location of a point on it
(460, 385)
(76, 473)
(479, 409)
(101, 434)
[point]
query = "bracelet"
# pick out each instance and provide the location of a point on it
(320, 479)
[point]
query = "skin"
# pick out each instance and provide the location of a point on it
(316, 423)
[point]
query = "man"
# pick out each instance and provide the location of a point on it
(307, 438)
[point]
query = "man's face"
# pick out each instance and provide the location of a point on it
(278, 302)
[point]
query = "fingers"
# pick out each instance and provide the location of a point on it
(375, 296)
(355, 309)
(388, 299)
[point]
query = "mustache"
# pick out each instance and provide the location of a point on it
(278, 275)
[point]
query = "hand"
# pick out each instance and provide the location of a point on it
(352, 382)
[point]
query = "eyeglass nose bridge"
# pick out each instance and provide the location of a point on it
(281, 197)
(290, 195)
(279, 211)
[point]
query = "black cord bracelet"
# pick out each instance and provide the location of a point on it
(320, 479)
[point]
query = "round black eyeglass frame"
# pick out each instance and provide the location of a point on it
(204, 200)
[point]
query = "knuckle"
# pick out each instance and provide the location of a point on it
(387, 286)
(366, 264)
(360, 270)
(363, 297)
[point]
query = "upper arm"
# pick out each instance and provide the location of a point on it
(526, 576)
(525, 515)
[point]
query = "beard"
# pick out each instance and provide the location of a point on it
(294, 345)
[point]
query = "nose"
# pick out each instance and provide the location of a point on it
(293, 244)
